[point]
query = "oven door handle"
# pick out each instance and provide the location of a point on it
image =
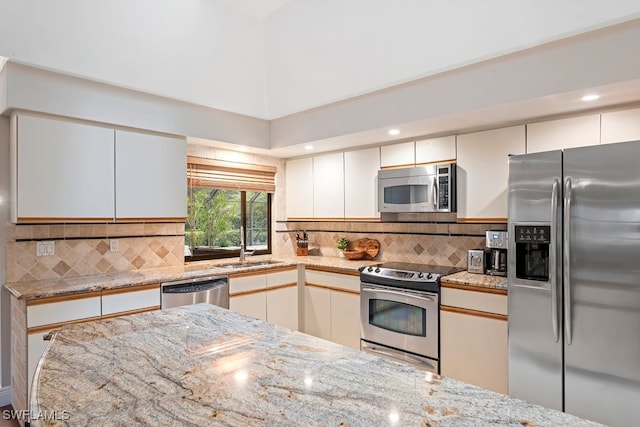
(396, 355)
(402, 294)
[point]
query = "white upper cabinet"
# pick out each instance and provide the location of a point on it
(565, 133)
(151, 176)
(299, 188)
(328, 186)
(361, 183)
(63, 170)
(436, 150)
(483, 171)
(621, 126)
(402, 154)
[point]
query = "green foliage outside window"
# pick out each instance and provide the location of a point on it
(214, 219)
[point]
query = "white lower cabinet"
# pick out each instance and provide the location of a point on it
(47, 314)
(345, 318)
(254, 305)
(473, 338)
(282, 307)
(272, 296)
(247, 294)
(317, 311)
(332, 307)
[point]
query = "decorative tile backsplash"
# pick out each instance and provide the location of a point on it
(83, 249)
(437, 243)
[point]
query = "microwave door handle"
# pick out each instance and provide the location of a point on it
(402, 294)
(434, 193)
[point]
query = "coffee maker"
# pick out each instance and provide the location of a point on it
(496, 253)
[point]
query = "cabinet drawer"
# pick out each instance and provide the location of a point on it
(333, 280)
(240, 284)
(282, 278)
(472, 300)
(74, 308)
(123, 300)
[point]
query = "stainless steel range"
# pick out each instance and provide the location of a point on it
(400, 312)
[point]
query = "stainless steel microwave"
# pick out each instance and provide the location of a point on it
(430, 188)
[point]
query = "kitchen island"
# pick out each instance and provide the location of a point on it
(204, 365)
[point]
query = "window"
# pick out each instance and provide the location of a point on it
(224, 200)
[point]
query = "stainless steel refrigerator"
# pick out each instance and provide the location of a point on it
(574, 281)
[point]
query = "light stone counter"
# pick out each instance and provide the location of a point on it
(30, 290)
(203, 365)
(476, 280)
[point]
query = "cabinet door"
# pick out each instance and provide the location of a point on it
(436, 150)
(64, 171)
(328, 186)
(474, 349)
(36, 345)
(403, 154)
(621, 126)
(566, 133)
(151, 177)
(345, 318)
(482, 175)
(361, 183)
(282, 307)
(317, 312)
(299, 188)
(254, 305)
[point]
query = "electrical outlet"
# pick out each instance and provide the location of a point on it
(114, 245)
(46, 248)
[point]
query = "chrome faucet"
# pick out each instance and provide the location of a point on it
(243, 246)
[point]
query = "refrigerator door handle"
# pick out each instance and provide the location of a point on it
(567, 258)
(553, 260)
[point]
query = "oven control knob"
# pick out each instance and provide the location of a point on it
(361, 269)
(429, 276)
(377, 269)
(420, 275)
(370, 269)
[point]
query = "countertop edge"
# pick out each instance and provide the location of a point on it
(46, 288)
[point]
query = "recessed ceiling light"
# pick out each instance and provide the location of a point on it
(394, 132)
(308, 147)
(591, 97)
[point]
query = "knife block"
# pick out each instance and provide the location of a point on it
(302, 251)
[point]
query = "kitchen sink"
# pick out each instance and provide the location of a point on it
(247, 264)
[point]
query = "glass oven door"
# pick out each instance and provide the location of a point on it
(403, 319)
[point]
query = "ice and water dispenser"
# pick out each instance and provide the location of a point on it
(532, 252)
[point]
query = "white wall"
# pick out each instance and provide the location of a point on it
(598, 58)
(205, 52)
(319, 52)
(5, 314)
(305, 54)
(38, 90)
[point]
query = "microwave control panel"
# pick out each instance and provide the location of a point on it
(446, 175)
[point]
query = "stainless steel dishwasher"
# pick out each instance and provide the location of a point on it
(211, 289)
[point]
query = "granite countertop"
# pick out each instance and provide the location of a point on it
(204, 365)
(477, 280)
(37, 289)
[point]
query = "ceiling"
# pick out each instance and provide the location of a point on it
(323, 72)
(260, 9)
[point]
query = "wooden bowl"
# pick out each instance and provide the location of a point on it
(351, 254)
